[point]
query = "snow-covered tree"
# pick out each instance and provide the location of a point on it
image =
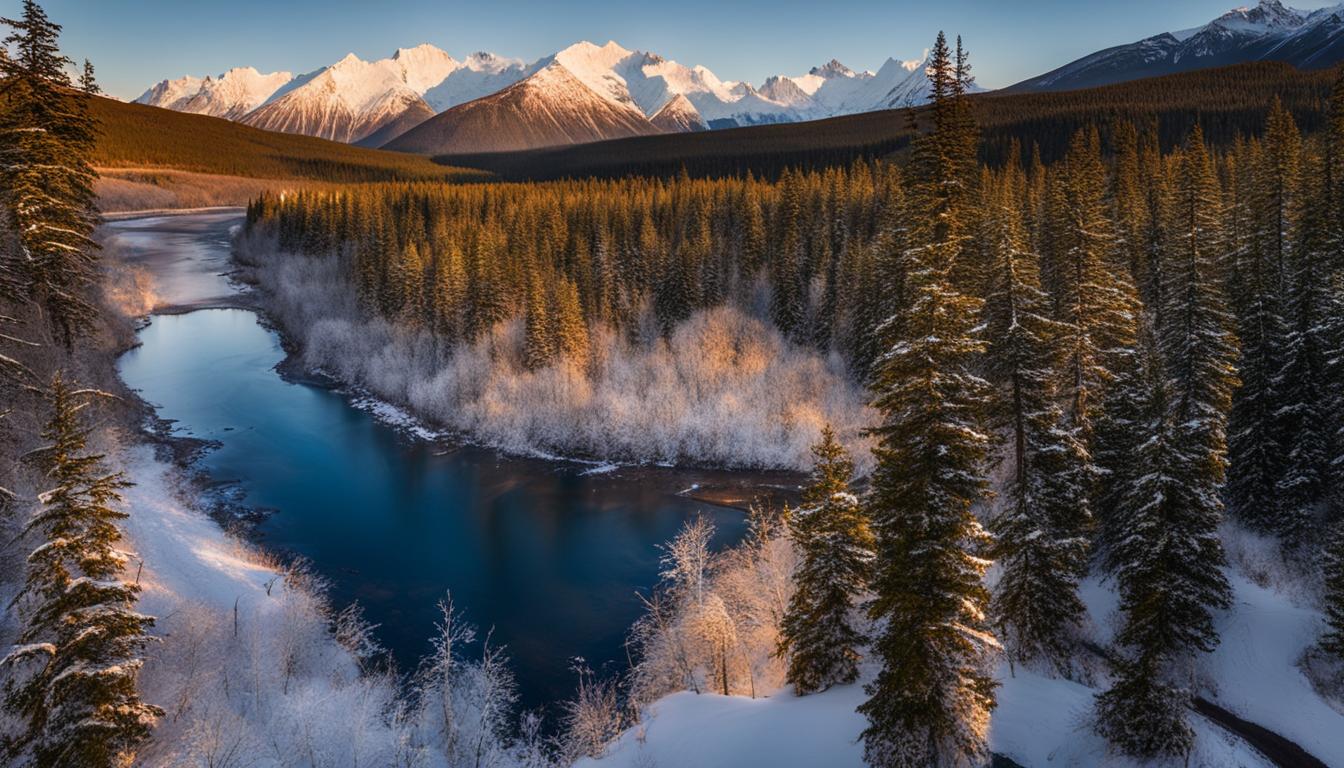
(73, 673)
(46, 181)
(1255, 434)
(1095, 300)
(820, 634)
(1167, 560)
(931, 699)
(1040, 525)
(464, 706)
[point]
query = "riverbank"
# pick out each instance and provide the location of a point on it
(394, 513)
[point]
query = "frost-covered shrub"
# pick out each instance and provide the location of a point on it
(724, 389)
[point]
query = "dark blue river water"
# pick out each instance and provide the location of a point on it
(547, 553)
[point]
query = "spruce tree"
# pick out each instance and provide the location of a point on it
(46, 181)
(931, 699)
(77, 660)
(1302, 388)
(1168, 561)
(1041, 521)
(820, 636)
(1255, 439)
(1096, 301)
(1197, 343)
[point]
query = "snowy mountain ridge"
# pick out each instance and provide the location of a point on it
(361, 101)
(1268, 31)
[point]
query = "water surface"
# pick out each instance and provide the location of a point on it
(549, 554)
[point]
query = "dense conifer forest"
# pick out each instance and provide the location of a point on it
(1145, 332)
(1082, 346)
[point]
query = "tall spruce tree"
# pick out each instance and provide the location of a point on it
(1097, 302)
(46, 181)
(930, 701)
(1168, 560)
(820, 636)
(1255, 437)
(1302, 388)
(76, 664)
(1041, 522)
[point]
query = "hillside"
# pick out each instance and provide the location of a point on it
(1228, 101)
(137, 136)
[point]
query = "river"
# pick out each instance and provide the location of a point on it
(548, 554)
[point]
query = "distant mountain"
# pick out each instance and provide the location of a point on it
(353, 98)
(550, 107)
(230, 95)
(1268, 32)
(626, 93)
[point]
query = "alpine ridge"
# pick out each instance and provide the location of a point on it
(585, 92)
(1269, 31)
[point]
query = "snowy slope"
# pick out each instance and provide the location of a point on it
(1039, 721)
(481, 74)
(353, 98)
(229, 95)
(1268, 31)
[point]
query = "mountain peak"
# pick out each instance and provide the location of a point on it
(832, 68)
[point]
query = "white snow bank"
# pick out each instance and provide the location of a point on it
(1039, 721)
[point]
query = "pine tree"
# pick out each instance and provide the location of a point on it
(1255, 438)
(1039, 528)
(931, 699)
(1197, 342)
(819, 636)
(87, 83)
(46, 182)
(1167, 560)
(1096, 301)
(571, 332)
(1302, 388)
(538, 337)
(77, 660)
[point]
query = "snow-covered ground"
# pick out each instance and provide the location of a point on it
(1040, 721)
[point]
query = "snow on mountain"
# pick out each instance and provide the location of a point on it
(352, 98)
(170, 93)
(481, 74)
(372, 102)
(1268, 31)
(229, 95)
(548, 108)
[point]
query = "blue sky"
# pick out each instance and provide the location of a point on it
(136, 42)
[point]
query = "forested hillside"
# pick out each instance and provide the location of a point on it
(137, 136)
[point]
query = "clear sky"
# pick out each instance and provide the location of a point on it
(134, 43)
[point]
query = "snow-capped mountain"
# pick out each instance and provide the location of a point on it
(1267, 32)
(229, 95)
(550, 107)
(625, 92)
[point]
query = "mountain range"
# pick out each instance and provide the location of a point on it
(423, 99)
(1267, 32)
